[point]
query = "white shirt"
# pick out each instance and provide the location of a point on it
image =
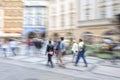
(81, 44)
(12, 43)
(4, 45)
(75, 47)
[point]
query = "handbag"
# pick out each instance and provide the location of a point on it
(50, 52)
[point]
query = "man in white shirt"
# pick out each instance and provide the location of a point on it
(74, 50)
(81, 51)
(12, 45)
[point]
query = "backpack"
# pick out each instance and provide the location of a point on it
(84, 48)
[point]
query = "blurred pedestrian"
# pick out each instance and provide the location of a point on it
(5, 47)
(38, 45)
(74, 50)
(50, 53)
(57, 50)
(13, 46)
(30, 46)
(81, 51)
(62, 51)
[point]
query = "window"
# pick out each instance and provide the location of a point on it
(86, 2)
(34, 17)
(62, 8)
(62, 20)
(38, 11)
(102, 12)
(54, 21)
(87, 14)
(29, 11)
(72, 19)
(116, 9)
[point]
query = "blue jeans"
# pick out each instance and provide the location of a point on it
(81, 54)
(5, 52)
(13, 51)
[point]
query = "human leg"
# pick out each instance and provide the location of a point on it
(78, 58)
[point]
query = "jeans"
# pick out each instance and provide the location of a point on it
(13, 51)
(81, 54)
(50, 59)
(5, 52)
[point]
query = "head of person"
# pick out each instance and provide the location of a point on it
(50, 42)
(74, 41)
(62, 38)
(80, 40)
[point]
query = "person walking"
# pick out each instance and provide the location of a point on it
(5, 47)
(74, 50)
(81, 51)
(30, 46)
(50, 52)
(57, 50)
(38, 45)
(62, 52)
(13, 47)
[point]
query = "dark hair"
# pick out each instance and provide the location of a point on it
(80, 40)
(49, 42)
(62, 38)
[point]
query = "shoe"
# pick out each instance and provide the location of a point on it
(75, 65)
(52, 66)
(86, 65)
(61, 65)
(47, 64)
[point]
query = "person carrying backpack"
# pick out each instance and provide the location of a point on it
(81, 51)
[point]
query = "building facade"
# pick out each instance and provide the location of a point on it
(13, 16)
(35, 16)
(77, 17)
(95, 16)
(62, 17)
(1, 19)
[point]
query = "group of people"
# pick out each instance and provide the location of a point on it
(59, 48)
(8, 44)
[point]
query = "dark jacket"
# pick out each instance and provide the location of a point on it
(50, 47)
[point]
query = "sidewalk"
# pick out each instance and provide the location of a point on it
(95, 65)
(97, 69)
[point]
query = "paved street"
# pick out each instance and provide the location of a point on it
(34, 67)
(13, 72)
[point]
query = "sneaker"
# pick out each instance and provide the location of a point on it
(47, 64)
(75, 65)
(86, 65)
(52, 66)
